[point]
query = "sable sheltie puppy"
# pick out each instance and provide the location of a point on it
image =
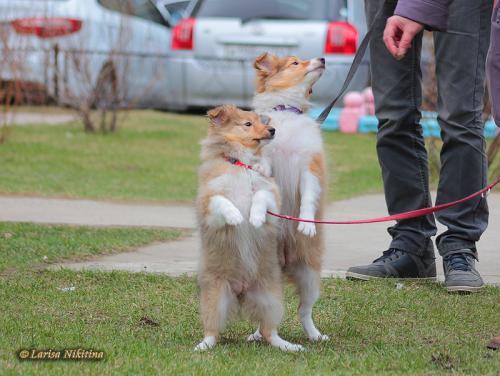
(239, 264)
(283, 88)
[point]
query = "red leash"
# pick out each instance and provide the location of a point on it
(395, 217)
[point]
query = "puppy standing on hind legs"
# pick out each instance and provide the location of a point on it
(239, 266)
(284, 86)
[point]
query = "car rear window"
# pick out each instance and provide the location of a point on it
(139, 8)
(176, 10)
(332, 10)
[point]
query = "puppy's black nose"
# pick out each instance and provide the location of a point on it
(322, 59)
(272, 131)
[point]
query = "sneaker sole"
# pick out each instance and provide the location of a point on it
(466, 289)
(364, 277)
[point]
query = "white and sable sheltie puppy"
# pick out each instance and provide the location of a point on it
(283, 88)
(239, 268)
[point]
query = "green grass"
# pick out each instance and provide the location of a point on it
(374, 327)
(353, 165)
(154, 156)
(23, 245)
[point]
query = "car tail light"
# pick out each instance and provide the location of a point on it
(182, 35)
(46, 27)
(341, 38)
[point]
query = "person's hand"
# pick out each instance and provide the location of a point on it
(399, 33)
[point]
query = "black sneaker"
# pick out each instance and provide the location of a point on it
(460, 272)
(395, 263)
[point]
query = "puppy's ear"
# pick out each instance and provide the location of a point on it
(218, 116)
(265, 63)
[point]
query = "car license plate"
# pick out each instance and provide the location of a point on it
(234, 51)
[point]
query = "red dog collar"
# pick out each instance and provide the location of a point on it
(237, 162)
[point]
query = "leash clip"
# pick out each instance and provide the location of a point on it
(486, 194)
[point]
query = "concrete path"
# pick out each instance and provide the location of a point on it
(345, 245)
(22, 118)
(94, 213)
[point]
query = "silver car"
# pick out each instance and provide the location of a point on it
(213, 49)
(71, 48)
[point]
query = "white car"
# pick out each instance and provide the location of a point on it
(76, 48)
(214, 48)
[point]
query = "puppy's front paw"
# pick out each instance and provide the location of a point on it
(257, 219)
(307, 228)
(262, 169)
(233, 217)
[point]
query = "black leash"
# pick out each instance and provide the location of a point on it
(354, 66)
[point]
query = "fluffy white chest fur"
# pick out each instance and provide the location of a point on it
(296, 135)
(240, 188)
(296, 142)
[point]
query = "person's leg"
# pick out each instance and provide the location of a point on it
(460, 71)
(400, 147)
(460, 76)
(400, 144)
(493, 64)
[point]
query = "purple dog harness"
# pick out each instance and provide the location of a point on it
(282, 107)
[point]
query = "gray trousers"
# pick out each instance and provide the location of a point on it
(460, 72)
(493, 63)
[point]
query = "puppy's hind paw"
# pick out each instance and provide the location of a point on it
(280, 343)
(293, 347)
(206, 344)
(254, 337)
(307, 228)
(319, 338)
(288, 346)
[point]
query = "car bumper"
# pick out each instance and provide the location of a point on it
(24, 65)
(206, 82)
